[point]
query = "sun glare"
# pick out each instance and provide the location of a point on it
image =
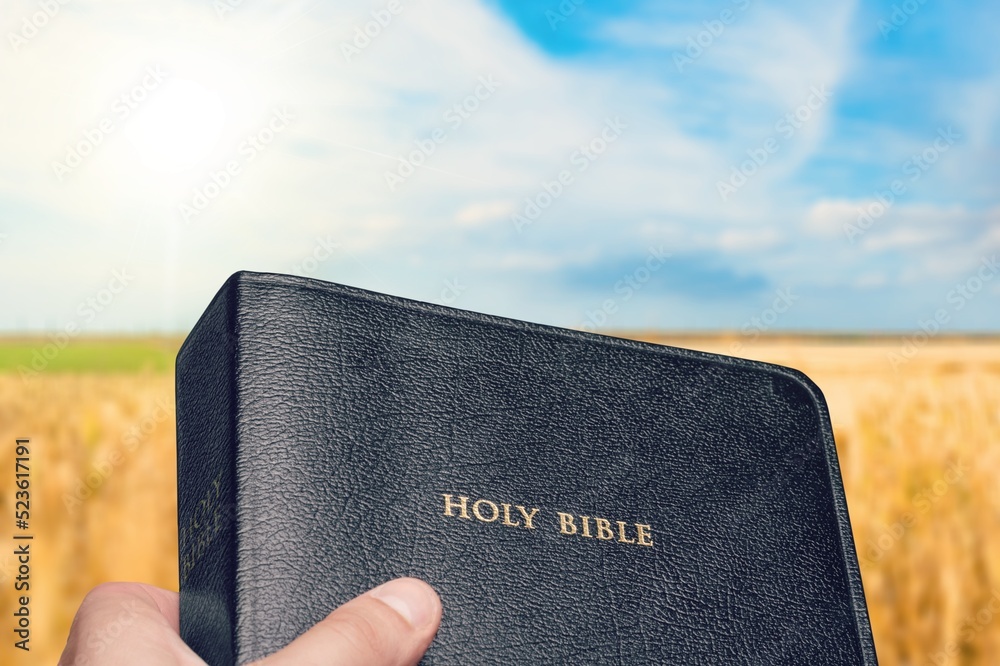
(178, 126)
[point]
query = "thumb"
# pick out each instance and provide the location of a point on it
(391, 625)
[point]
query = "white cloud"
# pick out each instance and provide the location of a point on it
(326, 173)
(483, 212)
(748, 240)
(870, 280)
(828, 217)
(900, 239)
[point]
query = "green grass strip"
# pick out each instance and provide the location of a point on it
(114, 354)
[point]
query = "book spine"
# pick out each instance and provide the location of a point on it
(206, 481)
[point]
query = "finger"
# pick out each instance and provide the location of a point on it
(391, 625)
(166, 602)
(116, 621)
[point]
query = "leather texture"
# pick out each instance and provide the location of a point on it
(320, 425)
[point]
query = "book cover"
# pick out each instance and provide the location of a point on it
(574, 498)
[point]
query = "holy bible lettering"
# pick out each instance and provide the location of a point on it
(518, 516)
(488, 512)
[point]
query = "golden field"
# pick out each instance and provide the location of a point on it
(918, 448)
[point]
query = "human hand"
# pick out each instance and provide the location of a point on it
(133, 623)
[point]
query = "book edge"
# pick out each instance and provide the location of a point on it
(223, 300)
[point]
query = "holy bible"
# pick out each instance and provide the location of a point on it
(574, 498)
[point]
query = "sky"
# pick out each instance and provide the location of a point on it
(741, 165)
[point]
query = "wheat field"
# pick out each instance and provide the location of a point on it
(917, 444)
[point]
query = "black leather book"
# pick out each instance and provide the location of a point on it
(574, 498)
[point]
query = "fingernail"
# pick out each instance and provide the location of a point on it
(415, 600)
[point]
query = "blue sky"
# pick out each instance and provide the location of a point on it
(607, 165)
